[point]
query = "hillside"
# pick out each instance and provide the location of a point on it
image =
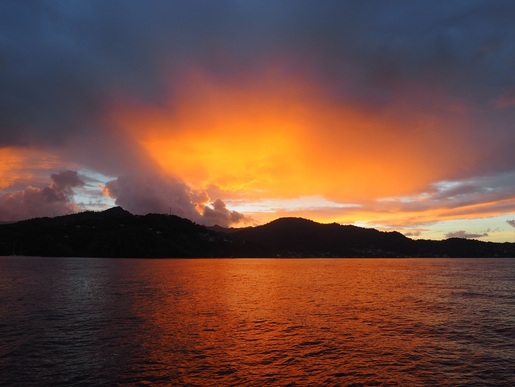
(111, 233)
(118, 233)
(297, 237)
(302, 237)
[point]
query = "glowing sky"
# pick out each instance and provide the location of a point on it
(398, 115)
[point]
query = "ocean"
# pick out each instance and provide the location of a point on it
(257, 322)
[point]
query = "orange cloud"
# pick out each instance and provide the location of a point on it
(21, 165)
(398, 216)
(283, 137)
(394, 216)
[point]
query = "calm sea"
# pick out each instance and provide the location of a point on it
(259, 322)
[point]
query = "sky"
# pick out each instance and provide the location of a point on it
(396, 115)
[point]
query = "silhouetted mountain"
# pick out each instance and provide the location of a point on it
(118, 233)
(306, 238)
(111, 233)
(297, 237)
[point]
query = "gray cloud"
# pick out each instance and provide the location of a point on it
(459, 192)
(465, 234)
(495, 190)
(511, 223)
(143, 194)
(412, 233)
(64, 181)
(51, 200)
(221, 215)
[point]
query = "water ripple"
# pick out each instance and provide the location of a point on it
(257, 322)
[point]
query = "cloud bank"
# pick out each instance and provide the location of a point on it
(143, 194)
(465, 234)
(52, 200)
(403, 109)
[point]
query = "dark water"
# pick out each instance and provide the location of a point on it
(257, 322)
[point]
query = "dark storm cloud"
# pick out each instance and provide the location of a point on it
(143, 194)
(61, 60)
(221, 215)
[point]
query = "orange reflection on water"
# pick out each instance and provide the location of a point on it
(257, 322)
(280, 321)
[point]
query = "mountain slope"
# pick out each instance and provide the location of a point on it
(118, 233)
(302, 237)
(111, 233)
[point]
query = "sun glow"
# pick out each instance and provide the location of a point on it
(278, 137)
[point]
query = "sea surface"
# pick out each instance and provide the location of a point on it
(257, 322)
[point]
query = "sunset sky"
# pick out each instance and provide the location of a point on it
(397, 115)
